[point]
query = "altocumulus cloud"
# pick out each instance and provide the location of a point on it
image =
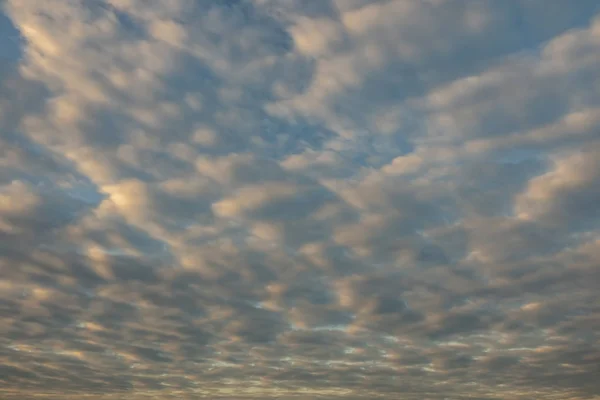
(333, 199)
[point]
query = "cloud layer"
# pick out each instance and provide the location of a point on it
(333, 199)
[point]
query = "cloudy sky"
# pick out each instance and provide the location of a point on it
(300, 199)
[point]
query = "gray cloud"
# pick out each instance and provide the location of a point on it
(353, 199)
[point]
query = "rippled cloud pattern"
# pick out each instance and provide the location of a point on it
(300, 199)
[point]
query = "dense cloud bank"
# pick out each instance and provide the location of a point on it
(300, 199)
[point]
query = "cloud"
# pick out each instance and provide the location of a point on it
(565, 191)
(352, 199)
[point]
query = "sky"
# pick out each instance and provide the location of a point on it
(300, 199)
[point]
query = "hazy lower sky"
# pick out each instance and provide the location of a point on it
(300, 199)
